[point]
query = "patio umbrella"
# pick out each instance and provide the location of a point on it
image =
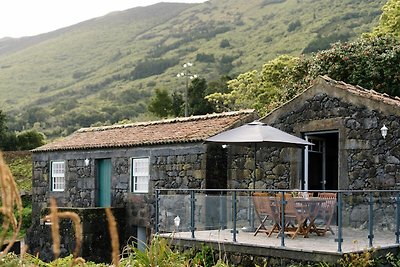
(257, 134)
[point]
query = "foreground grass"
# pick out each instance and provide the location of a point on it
(159, 253)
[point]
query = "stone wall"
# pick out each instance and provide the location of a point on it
(370, 162)
(366, 159)
(96, 244)
(172, 166)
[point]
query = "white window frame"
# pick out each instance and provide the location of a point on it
(140, 175)
(58, 176)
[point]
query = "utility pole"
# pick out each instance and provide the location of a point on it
(187, 75)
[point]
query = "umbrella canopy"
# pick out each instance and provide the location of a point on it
(259, 134)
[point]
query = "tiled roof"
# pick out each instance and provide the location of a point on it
(360, 91)
(179, 130)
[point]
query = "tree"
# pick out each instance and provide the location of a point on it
(371, 62)
(389, 22)
(224, 43)
(177, 104)
(3, 122)
(9, 142)
(161, 104)
(197, 103)
(259, 90)
(30, 139)
(3, 130)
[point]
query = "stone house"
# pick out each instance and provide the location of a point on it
(120, 167)
(350, 153)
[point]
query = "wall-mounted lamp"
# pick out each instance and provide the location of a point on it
(384, 130)
(224, 146)
(177, 221)
(87, 161)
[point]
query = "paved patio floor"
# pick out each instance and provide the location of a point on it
(354, 240)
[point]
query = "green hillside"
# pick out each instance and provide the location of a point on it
(104, 70)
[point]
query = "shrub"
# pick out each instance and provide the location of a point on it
(294, 25)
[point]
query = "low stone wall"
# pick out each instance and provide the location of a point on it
(96, 243)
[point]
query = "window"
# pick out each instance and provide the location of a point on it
(140, 175)
(57, 176)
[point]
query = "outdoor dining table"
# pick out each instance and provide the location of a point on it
(300, 214)
(313, 206)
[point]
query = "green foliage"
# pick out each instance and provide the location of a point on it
(158, 253)
(3, 123)
(325, 42)
(152, 67)
(224, 43)
(393, 260)
(30, 139)
(205, 257)
(20, 164)
(259, 90)
(202, 57)
(370, 62)
(161, 104)
(198, 105)
(293, 25)
(389, 22)
(26, 140)
(8, 141)
(269, 2)
(357, 260)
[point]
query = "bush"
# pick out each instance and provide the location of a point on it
(294, 25)
(208, 58)
(224, 43)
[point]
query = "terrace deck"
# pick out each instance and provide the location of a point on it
(313, 248)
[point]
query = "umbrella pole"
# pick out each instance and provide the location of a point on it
(251, 227)
(254, 187)
(255, 166)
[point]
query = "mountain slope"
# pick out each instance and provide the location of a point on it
(105, 69)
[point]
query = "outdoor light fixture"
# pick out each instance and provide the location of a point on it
(87, 161)
(188, 75)
(384, 130)
(224, 146)
(177, 221)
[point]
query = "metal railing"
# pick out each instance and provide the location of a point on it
(370, 216)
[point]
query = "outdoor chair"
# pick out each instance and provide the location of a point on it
(265, 209)
(327, 211)
(296, 216)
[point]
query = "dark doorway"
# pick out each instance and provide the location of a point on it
(216, 178)
(321, 161)
(216, 173)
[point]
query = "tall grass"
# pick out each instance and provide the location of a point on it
(10, 209)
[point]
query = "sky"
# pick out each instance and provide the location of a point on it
(31, 17)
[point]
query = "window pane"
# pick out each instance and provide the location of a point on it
(58, 175)
(140, 175)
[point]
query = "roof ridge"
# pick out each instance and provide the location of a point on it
(164, 121)
(360, 89)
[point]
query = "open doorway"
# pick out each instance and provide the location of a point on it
(321, 161)
(216, 178)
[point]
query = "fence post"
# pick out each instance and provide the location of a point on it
(157, 211)
(340, 226)
(192, 212)
(371, 219)
(397, 218)
(234, 218)
(283, 202)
